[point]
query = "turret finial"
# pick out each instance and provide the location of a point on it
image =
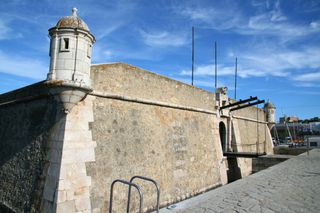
(74, 11)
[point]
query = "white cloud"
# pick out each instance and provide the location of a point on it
(103, 53)
(264, 25)
(209, 70)
(279, 61)
(22, 66)
(315, 25)
(163, 39)
(105, 31)
(209, 83)
(300, 92)
(220, 18)
(259, 62)
(308, 77)
(270, 21)
(306, 84)
(6, 32)
(273, 22)
(200, 14)
(276, 14)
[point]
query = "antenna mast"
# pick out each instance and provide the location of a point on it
(192, 55)
(235, 79)
(215, 65)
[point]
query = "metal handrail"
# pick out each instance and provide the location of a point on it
(147, 179)
(129, 194)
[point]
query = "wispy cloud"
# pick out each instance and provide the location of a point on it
(108, 53)
(282, 62)
(6, 32)
(300, 92)
(268, 62)
(269, 24)
(208, 70)
(106, 31)
(163, 39)
(22, 66)
(308, 77)
(307, 84)
(315, 25)
(222, 17)
(199, 82)
(270, 21)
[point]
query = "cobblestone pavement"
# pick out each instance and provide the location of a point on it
(291, 186)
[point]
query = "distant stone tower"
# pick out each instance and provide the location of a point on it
(70, 60)
(270, 112)
(70, 50)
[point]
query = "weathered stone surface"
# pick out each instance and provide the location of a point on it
(175, 147)
(25, 132)
(77, 150)
(124, 79)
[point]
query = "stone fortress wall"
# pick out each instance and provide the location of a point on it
(64, 140)
(149, 125)
(146, 124)
(134, 122)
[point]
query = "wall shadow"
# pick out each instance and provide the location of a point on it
(25, 144)
(234, 171)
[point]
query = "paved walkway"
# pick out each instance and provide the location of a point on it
(291, 186)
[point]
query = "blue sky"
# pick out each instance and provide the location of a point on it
(277, 43)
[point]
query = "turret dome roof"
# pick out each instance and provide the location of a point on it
(73, 21)
(269, 105)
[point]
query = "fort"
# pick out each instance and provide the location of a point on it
(64, 140)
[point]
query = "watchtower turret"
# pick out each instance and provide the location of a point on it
(70, 60)
(270, 112)
(70, 51)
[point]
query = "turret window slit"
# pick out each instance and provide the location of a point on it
(64, 45)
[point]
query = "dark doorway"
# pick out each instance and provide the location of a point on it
(233, 170)
(223, 135)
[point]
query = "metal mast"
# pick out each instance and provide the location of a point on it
(235, 79)
(192, 56)
(215, 65)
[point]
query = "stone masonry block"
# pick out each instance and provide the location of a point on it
(68, 62)
(78, 155)
(61, 196)
(96, 210)
(78, 136)
(79, 145)
(83, 204)
(70, 195)
(54, 170)
(56, 144)
(68, 206)
(48, 194)
(72, 170)
(55, 156)
(81, 182)
(71, 125)
(64, 74)
(47, 206)
(82, 192)
(51, 182)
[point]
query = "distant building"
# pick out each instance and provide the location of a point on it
(290, 119)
